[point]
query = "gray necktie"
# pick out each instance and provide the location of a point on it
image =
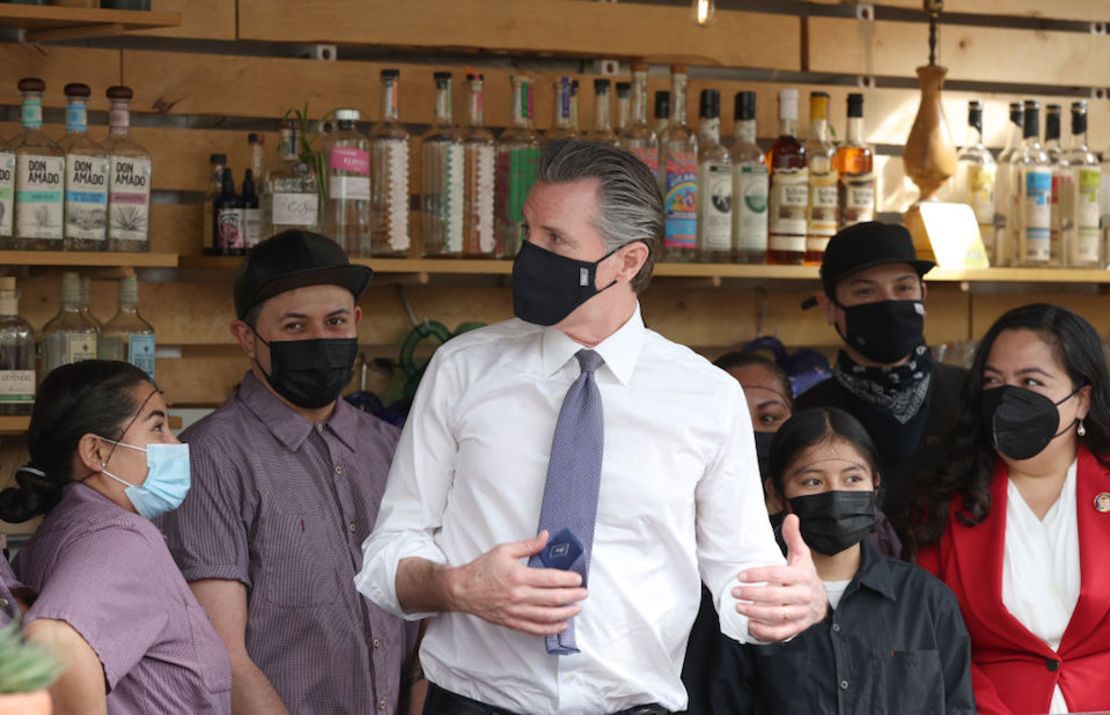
(573, 480)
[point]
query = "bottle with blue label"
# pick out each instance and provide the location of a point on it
(40, 167)
(86, 181)
(1035, 193)
(127, 336)
(678, 175)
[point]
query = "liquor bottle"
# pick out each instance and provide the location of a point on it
(749, 185)
(1086, 247)
(129, 179)
(86, 301)
(7, 193)
(69, 336)
(560, 122)
(823, 208)
(389, 182)
(638, 137)
(662, 114)
(291, 197)
(854, 166)
(252, 213)
(86, 196)
(518, 159)
(575, 127)
(347, 211)
(714, 216)
(17, 354)
(678, 175)
(1005, 191)
(127, 336)
(441, 178)
(786, 161)
(257, 144)
(479, 224)
(624, 103)
(217, 163)
(39, 177)
(1035, 192)
(603, 125)
(975, 177)
(1063, 190)
(229, 219)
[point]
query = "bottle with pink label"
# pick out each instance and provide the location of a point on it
(347, 209)
(389, 149)
(129, 179)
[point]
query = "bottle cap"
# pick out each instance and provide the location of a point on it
(217, 158)
(76, 89)
(624, 89)
(129, 291)
(442, 79)
(639, 66)
(601, 86)
(252, 138)
(709, 104)
(788, 104)
(32, 84)
(662, 104)
(120, 92)
(855, 105)
(744, 109)
(391, 74)
(678, 69)
(347, 115)
(71, 289)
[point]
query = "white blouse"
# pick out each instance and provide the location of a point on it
(1040, 569)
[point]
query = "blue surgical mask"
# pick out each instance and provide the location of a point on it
(167, 478)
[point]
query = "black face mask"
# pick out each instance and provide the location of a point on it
(311, 373)
(763, 452)
(548, 287)
(886, 331)
(1021, 422)
(837, 520)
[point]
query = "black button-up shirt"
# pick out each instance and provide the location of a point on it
(896, 644)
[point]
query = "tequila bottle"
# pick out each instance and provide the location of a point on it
(217, 163)
(86, 301)
(560, 123)
(479, 224)
(749, 185)
(39, 177)
(129, 179)
(127, 336)
(389, 165)
(786, 161)
(975, 176)
(442, 179)
(624, 104)
(678, 175)
(252, 212)
(17, 354)
(518, 158)
(1085, 250)
(854, 162)
(291, 197)
(7, 193)
(714, 183)
(1063, 189)
(821, 213)
(1005, 193)
(638, 137)
(257, 144)
(86, 197)
(347, 211)
(662, 113)
(603, 125)
(69, 336)
(1035, 192)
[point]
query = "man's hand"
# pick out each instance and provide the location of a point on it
(793, 597)
(497, 588)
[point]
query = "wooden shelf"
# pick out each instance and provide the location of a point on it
(51, 23)
(90, 259)
(14, 424)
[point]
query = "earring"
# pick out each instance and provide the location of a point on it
(1081, 431)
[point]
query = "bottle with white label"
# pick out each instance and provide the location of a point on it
(975, 177)
(86, 193)
(129, 181)
(346, 153)
(1063, 189)
(1085, 250)
(678, 175)
(1034, 178)
(749, 185)
(127, 336)
(479, 223)
(821, 213)
(389, 162)
(69, 337)
(714, 184)
(17, 354)
(39, 178)
(7, 194)
(1006, 191)
(291, 196)
(789, 187)
(854, 166)
(86, 301)
(442, 211)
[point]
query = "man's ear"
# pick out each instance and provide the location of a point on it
(244, 336)
(631, 257)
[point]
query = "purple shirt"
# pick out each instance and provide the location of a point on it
(9, 607)
(283, 506)
(106, 572)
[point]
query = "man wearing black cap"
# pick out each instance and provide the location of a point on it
(287, 480)
(874, 296)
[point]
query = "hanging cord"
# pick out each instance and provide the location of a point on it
(933, 7)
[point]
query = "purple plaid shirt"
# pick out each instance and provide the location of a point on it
(9, 607)
(107, 573)
(283, 506)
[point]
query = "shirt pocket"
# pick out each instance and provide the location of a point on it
(298, 570)
(914, 682)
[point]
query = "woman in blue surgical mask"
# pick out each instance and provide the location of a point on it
(1018, 521)
(112, 604)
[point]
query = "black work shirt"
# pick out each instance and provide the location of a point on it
(896, 644)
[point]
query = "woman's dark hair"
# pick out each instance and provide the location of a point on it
(970, 459)
(87, 397)
(811, 427)
(738, 358)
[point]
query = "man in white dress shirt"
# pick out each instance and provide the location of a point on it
(680, 499)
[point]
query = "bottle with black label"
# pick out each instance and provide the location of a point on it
(229, 219)
(217, 162)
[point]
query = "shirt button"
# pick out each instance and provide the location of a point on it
(319, 426)
(381, 704)
(3, 603)
(836, 628)
(843, 684)
(351, 527)
(377, 643)
(339, 470)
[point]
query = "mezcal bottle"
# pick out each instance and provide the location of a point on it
(86, 197)
(678, 174)
(127, 336)
(638, 137)
(69, 337)
(291, 197)
(714, 183)
(479, 224)
(347, 211)
(129, 179)
(441, 178)
(389, 181)
(39, 177)
(518, 158)
(17, 354)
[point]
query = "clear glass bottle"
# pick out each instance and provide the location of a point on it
(678, 175)
(347, 211)
(127, 336)
(291, 197)
(7, 194)
(1063, 190)
(252, 212)
(441, 178)
(750, 185)
(39, 177)
(1085, 250)
(638, 137)
(823, 208)
(86, 197)
(1005, 193)
(624, 105)
(714, 215)
(575, 126)
(389, 165)
(217, 163)
(229, 219)
(69, 336)
(479, 223)
(786, 161)
(518, 161)
(129, 180)
(257, 144)
(86, 301)
(17, 354)
(662, 113)
(975, 177)
(1035, 190)
(603, 124)
(561, 112)
(854, 166)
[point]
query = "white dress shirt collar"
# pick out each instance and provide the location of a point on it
(620, 350)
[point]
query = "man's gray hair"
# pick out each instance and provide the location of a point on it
(630, 207)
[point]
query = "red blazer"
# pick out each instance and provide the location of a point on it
(1013, 670)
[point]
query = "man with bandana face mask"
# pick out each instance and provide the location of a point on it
(287, 482)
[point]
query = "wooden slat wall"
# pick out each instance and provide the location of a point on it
(1076, 10)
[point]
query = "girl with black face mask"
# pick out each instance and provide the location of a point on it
(1018, 521)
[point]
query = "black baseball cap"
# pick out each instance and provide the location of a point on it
(866, 245)
(295, 259)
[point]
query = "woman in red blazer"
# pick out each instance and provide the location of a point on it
(1018, 521)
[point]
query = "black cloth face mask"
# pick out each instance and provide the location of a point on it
(1021, 422)
(548, 287)
(311, 373)
(836, 520)
(763, 452)
(886, 331)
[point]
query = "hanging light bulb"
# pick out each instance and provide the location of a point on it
(702, 12)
